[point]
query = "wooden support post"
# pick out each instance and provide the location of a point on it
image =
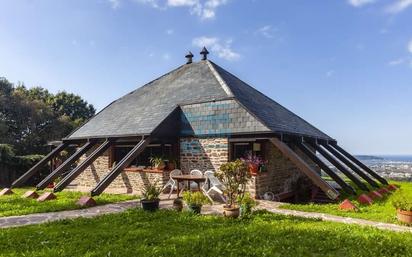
(305, 168)
(31, 172)
(351, 165)
(311, 155)
(105, 182)
(360, 164)
(340, 167)
(49, 179)
(82, 166)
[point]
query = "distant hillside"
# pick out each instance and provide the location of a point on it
(368, 157)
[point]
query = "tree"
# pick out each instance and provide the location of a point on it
(72, 106)
(29, 118)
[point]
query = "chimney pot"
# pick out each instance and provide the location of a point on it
(189, 58)
(204, 53)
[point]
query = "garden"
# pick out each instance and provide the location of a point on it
(13, 205)
(383, 210)
(170, 233)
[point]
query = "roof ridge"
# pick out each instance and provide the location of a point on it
(219, 79)
(268, 98)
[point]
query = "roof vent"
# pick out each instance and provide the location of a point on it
(189, 57)
(204, 53)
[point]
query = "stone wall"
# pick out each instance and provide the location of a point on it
(127, 182)
(203, 153)
(197, 153)
(280, 175)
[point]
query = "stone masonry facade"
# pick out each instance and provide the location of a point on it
(203, 153)
(279, 177)
(206, 153)
(130, 182)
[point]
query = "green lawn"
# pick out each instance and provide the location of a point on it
(11, 205)
(168, 233)
(379, 211)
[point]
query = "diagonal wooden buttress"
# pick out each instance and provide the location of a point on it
(123, 163)
(311, 155)
(83, 165)
(305, 168)
(57, 172)
(33, 170)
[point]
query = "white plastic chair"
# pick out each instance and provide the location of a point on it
(215, 185)
(172, 183)
(195, 173)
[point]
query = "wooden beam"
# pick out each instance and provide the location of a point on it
(305, 168)
(340, 167)
(31, 172)
(57, 172)
(82, 166)
(361, 165)
(351, 165)
(123, 163)
(311, 155)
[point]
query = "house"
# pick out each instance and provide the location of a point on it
(202, 116)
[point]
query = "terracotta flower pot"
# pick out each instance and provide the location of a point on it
(231, 212)
(253, 169)
(405, 216)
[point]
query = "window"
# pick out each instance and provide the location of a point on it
(241, 149)
(143, 160)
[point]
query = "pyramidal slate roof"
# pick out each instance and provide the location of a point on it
(143, 110)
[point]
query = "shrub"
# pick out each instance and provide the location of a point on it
(151, 192)
(234, 176)
(195, 198)
(402, 202)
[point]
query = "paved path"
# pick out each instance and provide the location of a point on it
(273, 207)
(15, 221)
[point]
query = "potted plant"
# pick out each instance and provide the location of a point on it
(178, 204)
(254, 163)
(195, 201)
(403, 205)
(157, 162)
(234, 176)
(150, 197)
(247, 203)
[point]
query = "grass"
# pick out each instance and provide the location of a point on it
(11, 205)
(168, 233)
(381, 210)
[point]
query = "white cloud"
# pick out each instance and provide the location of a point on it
(410, 46)
(205, 9)
(360, 3)
(399, 6)
(267, 31)
(222, 49)
(114, 3)
(397, 62)
(330, 73)
(182, 2)
(170, 32)
(166, 56)
(152, 3)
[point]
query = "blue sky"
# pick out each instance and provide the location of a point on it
(343, 65)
